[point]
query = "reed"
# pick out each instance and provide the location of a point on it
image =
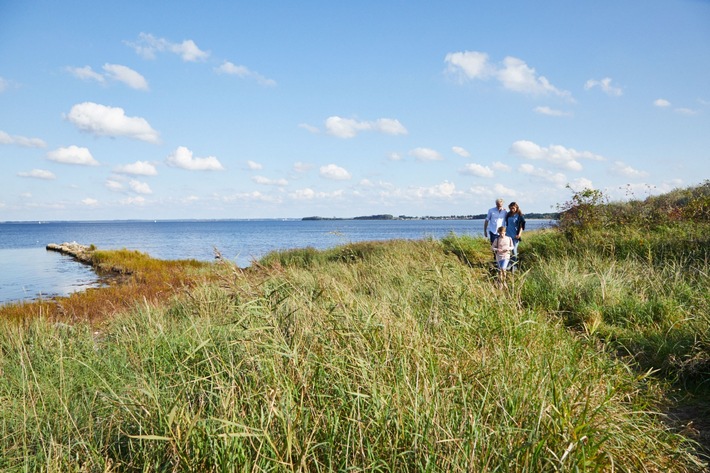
(395, 358)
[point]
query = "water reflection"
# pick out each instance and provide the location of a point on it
(30, 273)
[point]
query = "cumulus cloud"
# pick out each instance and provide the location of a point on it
(605, 86)
(73, 155)
(469, 65)
(115, 72)
(512, 73)
(394, 156)
(302, 167)
(6, 139)
(661, 103)
(139, 187)
(557, 155)
(148, 45)
(474, 169)
(86, 73)
(310, 194)
(37, 174)
(101, 120)
(89, 202)
(623, 169)
(126, 75)
(139, 168)
(349, 128)
(252, 165)
(581, 183)
(444, 190)
(425, 154)
(265, 181)
(556, 178)
(460, 151)
(182, 158)
(498, 166)
(543, 110)
(334, 172)
(113, 185)
(244, 72)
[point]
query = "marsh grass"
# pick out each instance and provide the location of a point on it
(370, 357)
(129, 275)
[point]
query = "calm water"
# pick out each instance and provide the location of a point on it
(28, 271)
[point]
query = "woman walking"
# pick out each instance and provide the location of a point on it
(515, 224)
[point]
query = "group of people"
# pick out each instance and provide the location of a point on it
(504, 228)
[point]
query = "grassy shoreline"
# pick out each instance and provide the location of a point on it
(391, 356)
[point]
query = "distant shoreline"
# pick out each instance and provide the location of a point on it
(541, 216)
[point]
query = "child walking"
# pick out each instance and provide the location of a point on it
(502, 246)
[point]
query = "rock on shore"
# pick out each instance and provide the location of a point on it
(76, 250)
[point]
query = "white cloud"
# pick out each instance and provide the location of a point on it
(581, 183)
(254, 165)
(137, 201)
(101, 120)
(469, 65)
(558, 178)
(444, 190)
(89, 202)
(302, 167)
(425, 154)
(331, 171)
(460, 151)
(113, 185)
(349, 128)
(303, 194)
(308, 127)
(115, 72)
(126, 75)
(500, 189)
(6, 139)
(477, 170)
(551, 112)
(4, 84)
(243, 72)
(183, 158)
(513, 73)
(148, 45)
(519, 77)
(86, 73)
(686, 111)
(139, 168)
(269, 182)
(605, 85)
(38, 174)
(661, 103)
(557, 155)
(139, 187)
(394, 156)
(72, 155)
(498, 166)
(623, 169)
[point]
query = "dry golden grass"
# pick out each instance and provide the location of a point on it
(130, 276)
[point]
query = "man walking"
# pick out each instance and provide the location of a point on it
(494, 220)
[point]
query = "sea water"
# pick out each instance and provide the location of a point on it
(29, 271)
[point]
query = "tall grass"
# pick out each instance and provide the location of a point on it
(377, 357)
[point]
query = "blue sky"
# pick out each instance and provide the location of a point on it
(274, 109)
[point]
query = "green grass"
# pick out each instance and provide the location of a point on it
(393, 356)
